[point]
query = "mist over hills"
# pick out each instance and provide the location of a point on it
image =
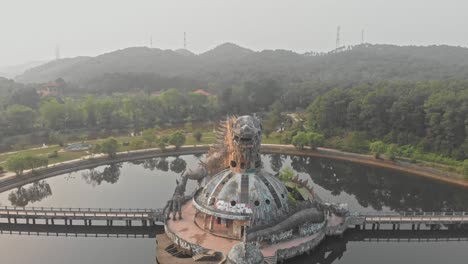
(232, 64)
(13, 70)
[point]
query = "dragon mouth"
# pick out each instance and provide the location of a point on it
(245, 141)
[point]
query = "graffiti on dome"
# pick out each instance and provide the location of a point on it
(240, 208)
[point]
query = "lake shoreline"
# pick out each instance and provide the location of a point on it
(8, 183)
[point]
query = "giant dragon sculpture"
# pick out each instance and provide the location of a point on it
(237, 139)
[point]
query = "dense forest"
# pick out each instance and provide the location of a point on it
(429, 115)
(152, 69)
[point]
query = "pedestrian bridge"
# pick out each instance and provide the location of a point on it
(98, 231)
(80, 216)
(409, 218)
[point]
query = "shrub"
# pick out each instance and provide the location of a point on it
(287, 137)
(315, 139)
(177, 139)
(292, 200)
(149, 135)
(356, 142)
(19, 163)
(53, 155)
(377, 148)
(286, 174)
(300, 140)
(465, 168)
(162, 142)
(391, 152)
(197, 135)
(110, 146)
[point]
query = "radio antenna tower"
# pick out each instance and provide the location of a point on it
(362, 36)
(185, 41)
(151, 42)
(338, 37)
(57, 52)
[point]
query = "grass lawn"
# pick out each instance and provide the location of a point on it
(40, 151)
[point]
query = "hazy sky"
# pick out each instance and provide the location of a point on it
(30, 29)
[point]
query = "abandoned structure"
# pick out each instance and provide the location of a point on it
(241, 213)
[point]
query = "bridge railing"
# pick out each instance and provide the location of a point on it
(86, 210)
(406, 214)
(434, 214)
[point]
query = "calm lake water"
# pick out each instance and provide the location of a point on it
(149, 183)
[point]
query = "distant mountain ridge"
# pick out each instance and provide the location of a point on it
(230, 62)
(12, 71)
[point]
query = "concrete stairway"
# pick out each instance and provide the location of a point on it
(270, 260)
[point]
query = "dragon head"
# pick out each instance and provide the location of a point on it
(246, 141)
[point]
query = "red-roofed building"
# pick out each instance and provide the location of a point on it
(202, 92)
(49, 89)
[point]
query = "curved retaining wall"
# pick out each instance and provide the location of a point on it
(76, 165)
(368, 160)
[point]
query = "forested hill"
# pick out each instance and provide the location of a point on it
(231, 63)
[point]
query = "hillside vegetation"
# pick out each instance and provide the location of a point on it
(155, 69)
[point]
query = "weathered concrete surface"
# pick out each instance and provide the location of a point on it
(187, 230)
(163, 257)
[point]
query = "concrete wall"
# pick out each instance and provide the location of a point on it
(284, 254)
(191, 248)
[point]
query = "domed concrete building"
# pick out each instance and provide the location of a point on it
(233, 200)
(244, 202)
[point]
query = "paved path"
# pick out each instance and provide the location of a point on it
(190, 232)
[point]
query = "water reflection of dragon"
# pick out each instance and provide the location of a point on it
(237, 138)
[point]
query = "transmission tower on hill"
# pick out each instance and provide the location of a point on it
(338, 37)
(57, 52)
(185, 41)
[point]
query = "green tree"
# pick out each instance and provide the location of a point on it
(110, 146)
(33, 162)
(56, 138)
(315, 140)
(300, 140)
(97, 149)
(465, 167)
(17, 164)
(392, 151)
(149, 135)
(162, 142)
(177, 139)
(20, 119)
(377, 148)
(356, 142)
(53, 114)
(198, 135)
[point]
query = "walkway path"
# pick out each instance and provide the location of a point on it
(190, 232)
(10, 180)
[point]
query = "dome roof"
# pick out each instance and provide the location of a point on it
(258, 196)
